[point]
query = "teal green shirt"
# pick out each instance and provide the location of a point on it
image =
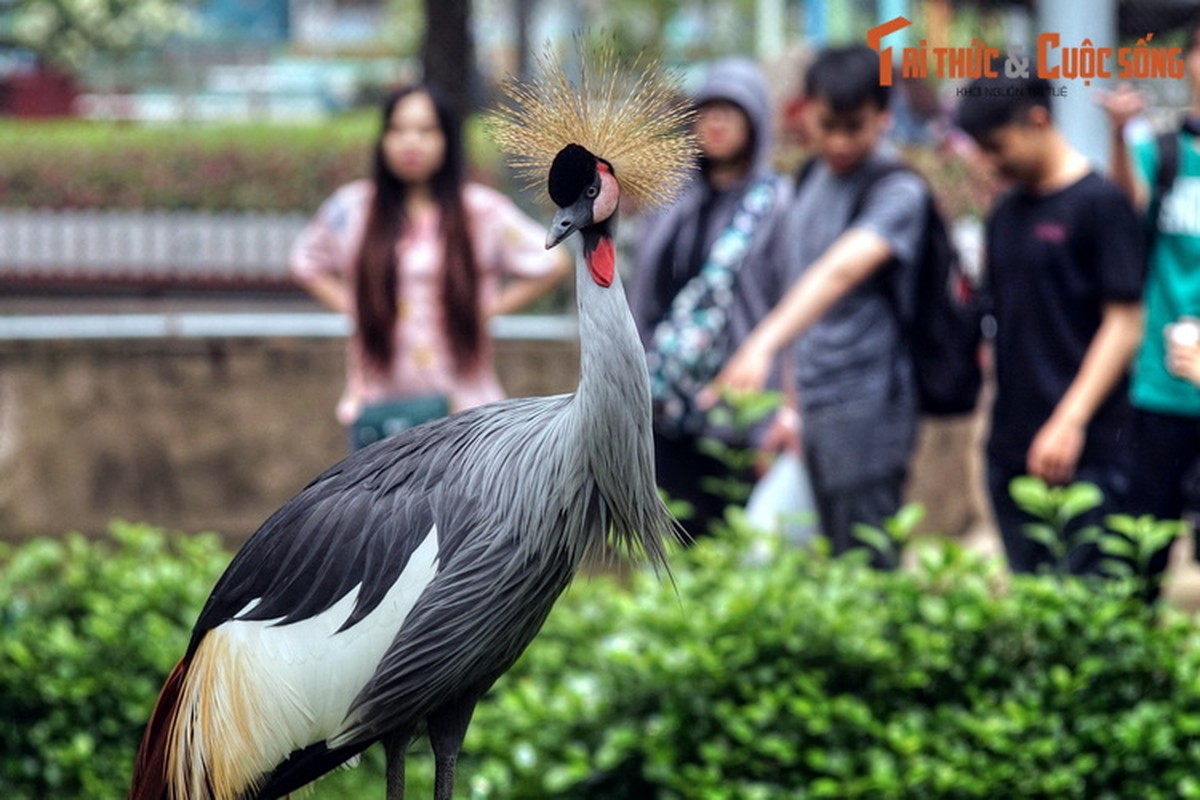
(1172, 282)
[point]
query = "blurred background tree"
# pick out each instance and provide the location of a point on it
(68, 33)
(448, 54)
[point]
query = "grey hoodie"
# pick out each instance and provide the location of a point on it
(757, 286)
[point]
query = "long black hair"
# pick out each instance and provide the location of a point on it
(377, 284)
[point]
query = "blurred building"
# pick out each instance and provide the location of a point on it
(267, 59)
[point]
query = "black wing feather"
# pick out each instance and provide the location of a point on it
(469, 626)
(357, 524)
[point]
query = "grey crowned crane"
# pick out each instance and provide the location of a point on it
(385, 599)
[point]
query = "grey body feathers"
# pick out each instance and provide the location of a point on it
(521, 493)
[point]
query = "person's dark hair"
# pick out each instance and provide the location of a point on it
(1193, 35)
(988, 104)
(847, 79)
(376, 275)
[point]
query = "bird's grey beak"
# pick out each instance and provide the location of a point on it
(567, 221)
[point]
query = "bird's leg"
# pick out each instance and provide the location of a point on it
(396, 747)
(447, 729)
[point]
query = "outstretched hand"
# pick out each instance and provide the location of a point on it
(1122, 104)
(1183, 361)
(1055, 451)
(746, 371)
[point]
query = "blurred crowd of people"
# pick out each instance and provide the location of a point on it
(755, 280)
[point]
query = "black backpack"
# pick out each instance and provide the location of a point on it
(940, 312)
(1168, 169)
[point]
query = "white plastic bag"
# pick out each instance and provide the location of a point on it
(782, 502)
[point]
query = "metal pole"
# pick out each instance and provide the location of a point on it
(1076, 112)
(770, 17)
(890, 9)
(816, 29)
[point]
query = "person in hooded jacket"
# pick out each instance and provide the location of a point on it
(702, 280)
(849, 240)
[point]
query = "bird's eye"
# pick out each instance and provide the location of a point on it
(591, 192)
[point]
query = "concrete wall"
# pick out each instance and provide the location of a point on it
(190, 434)
(214, 434)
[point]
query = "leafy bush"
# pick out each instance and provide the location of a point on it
(90, 630)
(217, 168)
(228, 167)
(818, 677)
(801, 676)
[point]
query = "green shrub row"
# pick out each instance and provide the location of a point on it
(789, 675)
(88, 631)
(228, 167)
(817, 677)
(271, 166)
(174, 167)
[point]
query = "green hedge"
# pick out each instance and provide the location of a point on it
(176, 167)
(272, 166)
(197, 167)
(803, 676)
(812, 677)
(89, 631)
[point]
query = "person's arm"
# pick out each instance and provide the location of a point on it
(852, 258)
(318, 260)
(329, 290)
(520, 292)
(1054, 453)
(1122, 105)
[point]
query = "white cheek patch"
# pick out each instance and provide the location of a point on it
(606, 201)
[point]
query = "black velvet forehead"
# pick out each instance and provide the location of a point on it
(573, 170)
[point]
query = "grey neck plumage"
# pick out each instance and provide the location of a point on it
(612, 412)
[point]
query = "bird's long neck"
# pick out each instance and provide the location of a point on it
(613, 383)
(612, 409)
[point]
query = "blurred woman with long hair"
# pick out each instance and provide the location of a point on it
(420, 259)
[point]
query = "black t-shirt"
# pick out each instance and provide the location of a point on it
(1054, 261)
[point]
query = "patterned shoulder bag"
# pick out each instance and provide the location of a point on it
(690, 344)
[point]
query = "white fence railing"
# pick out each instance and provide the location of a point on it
(161, 246)
(209, 325)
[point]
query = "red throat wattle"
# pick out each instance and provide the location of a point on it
(602, 262)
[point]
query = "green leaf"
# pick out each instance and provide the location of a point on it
(1045, 535)
(1123, 524)
(1030, 494)
(1089, 534)
(1118, 546)
(906, 521)
(1078, 499)
(875, 539)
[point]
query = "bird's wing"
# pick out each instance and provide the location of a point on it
(468, 627)
(319, 598)
(507, 553)
(356, 525)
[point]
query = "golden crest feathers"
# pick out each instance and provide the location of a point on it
(636, 117)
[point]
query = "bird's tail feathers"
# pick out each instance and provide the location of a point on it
(150, 767)
(201, 742)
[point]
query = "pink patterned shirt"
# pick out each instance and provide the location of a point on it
(506, 243)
